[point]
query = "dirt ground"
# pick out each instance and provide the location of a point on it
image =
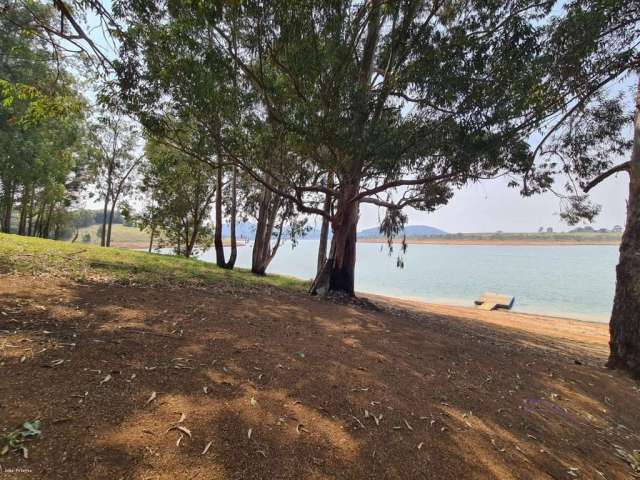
(208, 383)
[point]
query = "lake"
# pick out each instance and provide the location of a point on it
(574, 281)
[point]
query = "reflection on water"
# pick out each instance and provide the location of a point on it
(574, 281)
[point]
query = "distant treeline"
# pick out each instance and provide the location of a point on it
(542, 236)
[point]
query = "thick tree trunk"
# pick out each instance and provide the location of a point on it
(324, 230)
(625, 319)
(338, 274)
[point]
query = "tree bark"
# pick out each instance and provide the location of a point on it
(113, 207)
(324, 230)
(217, 234)
(234, 210)
(338, 274)
(153, 231)
(8, 207)
(263, 252)
(24, 207)
(103, 237)
(624, 327)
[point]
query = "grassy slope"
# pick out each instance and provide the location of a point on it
(119, 234)
(81, 261)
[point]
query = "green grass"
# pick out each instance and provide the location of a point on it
(83, 262)
(119, 234)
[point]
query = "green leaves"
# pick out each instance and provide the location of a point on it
(15, 441)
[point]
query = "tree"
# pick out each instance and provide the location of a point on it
(179, 198)
(41, 128)
(591, 47)
(113, 141)
(382, 96)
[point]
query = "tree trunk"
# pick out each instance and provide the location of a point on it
(153, 231)
(338, 274)
(113, 207)
(624, 327)
(263, 252)
(24, 207)
(8, 207)
(234, 210)
(47, 228)
(217, 234)
(324, 230)
(31, 205)
(103, 235)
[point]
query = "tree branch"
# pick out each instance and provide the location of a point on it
(623, 167)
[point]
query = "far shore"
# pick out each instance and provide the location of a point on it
(497, 242)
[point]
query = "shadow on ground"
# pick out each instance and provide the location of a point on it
(272, 385)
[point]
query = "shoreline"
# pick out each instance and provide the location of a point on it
(561, 328)
(469, 310)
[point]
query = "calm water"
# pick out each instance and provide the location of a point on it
(572, 281)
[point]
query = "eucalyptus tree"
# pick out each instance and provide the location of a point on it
(586, 128)
(114, 141)
(402, 102)
(180, 196)
(41, 126)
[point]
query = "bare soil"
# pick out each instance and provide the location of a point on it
(278, 385)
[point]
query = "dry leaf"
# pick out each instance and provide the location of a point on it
(249, 432)
(152, 397)
(105, 379)
(253, 402)
(207, 447)
(182, 429)
(420, 445)
(182, 418)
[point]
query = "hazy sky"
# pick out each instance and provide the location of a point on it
(490, 205)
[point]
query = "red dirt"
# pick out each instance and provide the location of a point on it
(461, 394)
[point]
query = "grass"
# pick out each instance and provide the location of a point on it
(85, 261)
(119, 234)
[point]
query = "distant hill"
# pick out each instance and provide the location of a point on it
(409, 231)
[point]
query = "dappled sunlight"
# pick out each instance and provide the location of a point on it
(307, 391)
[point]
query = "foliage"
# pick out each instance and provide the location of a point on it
(179, 194)
(15, 441)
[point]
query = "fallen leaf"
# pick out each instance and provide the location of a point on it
(420, 445)
(182, 418)
(105, 379)
(181, 428)
(253, 402)
(207, 447)
(152, 397)
(249, 432)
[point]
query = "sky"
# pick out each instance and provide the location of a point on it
(490, 206)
